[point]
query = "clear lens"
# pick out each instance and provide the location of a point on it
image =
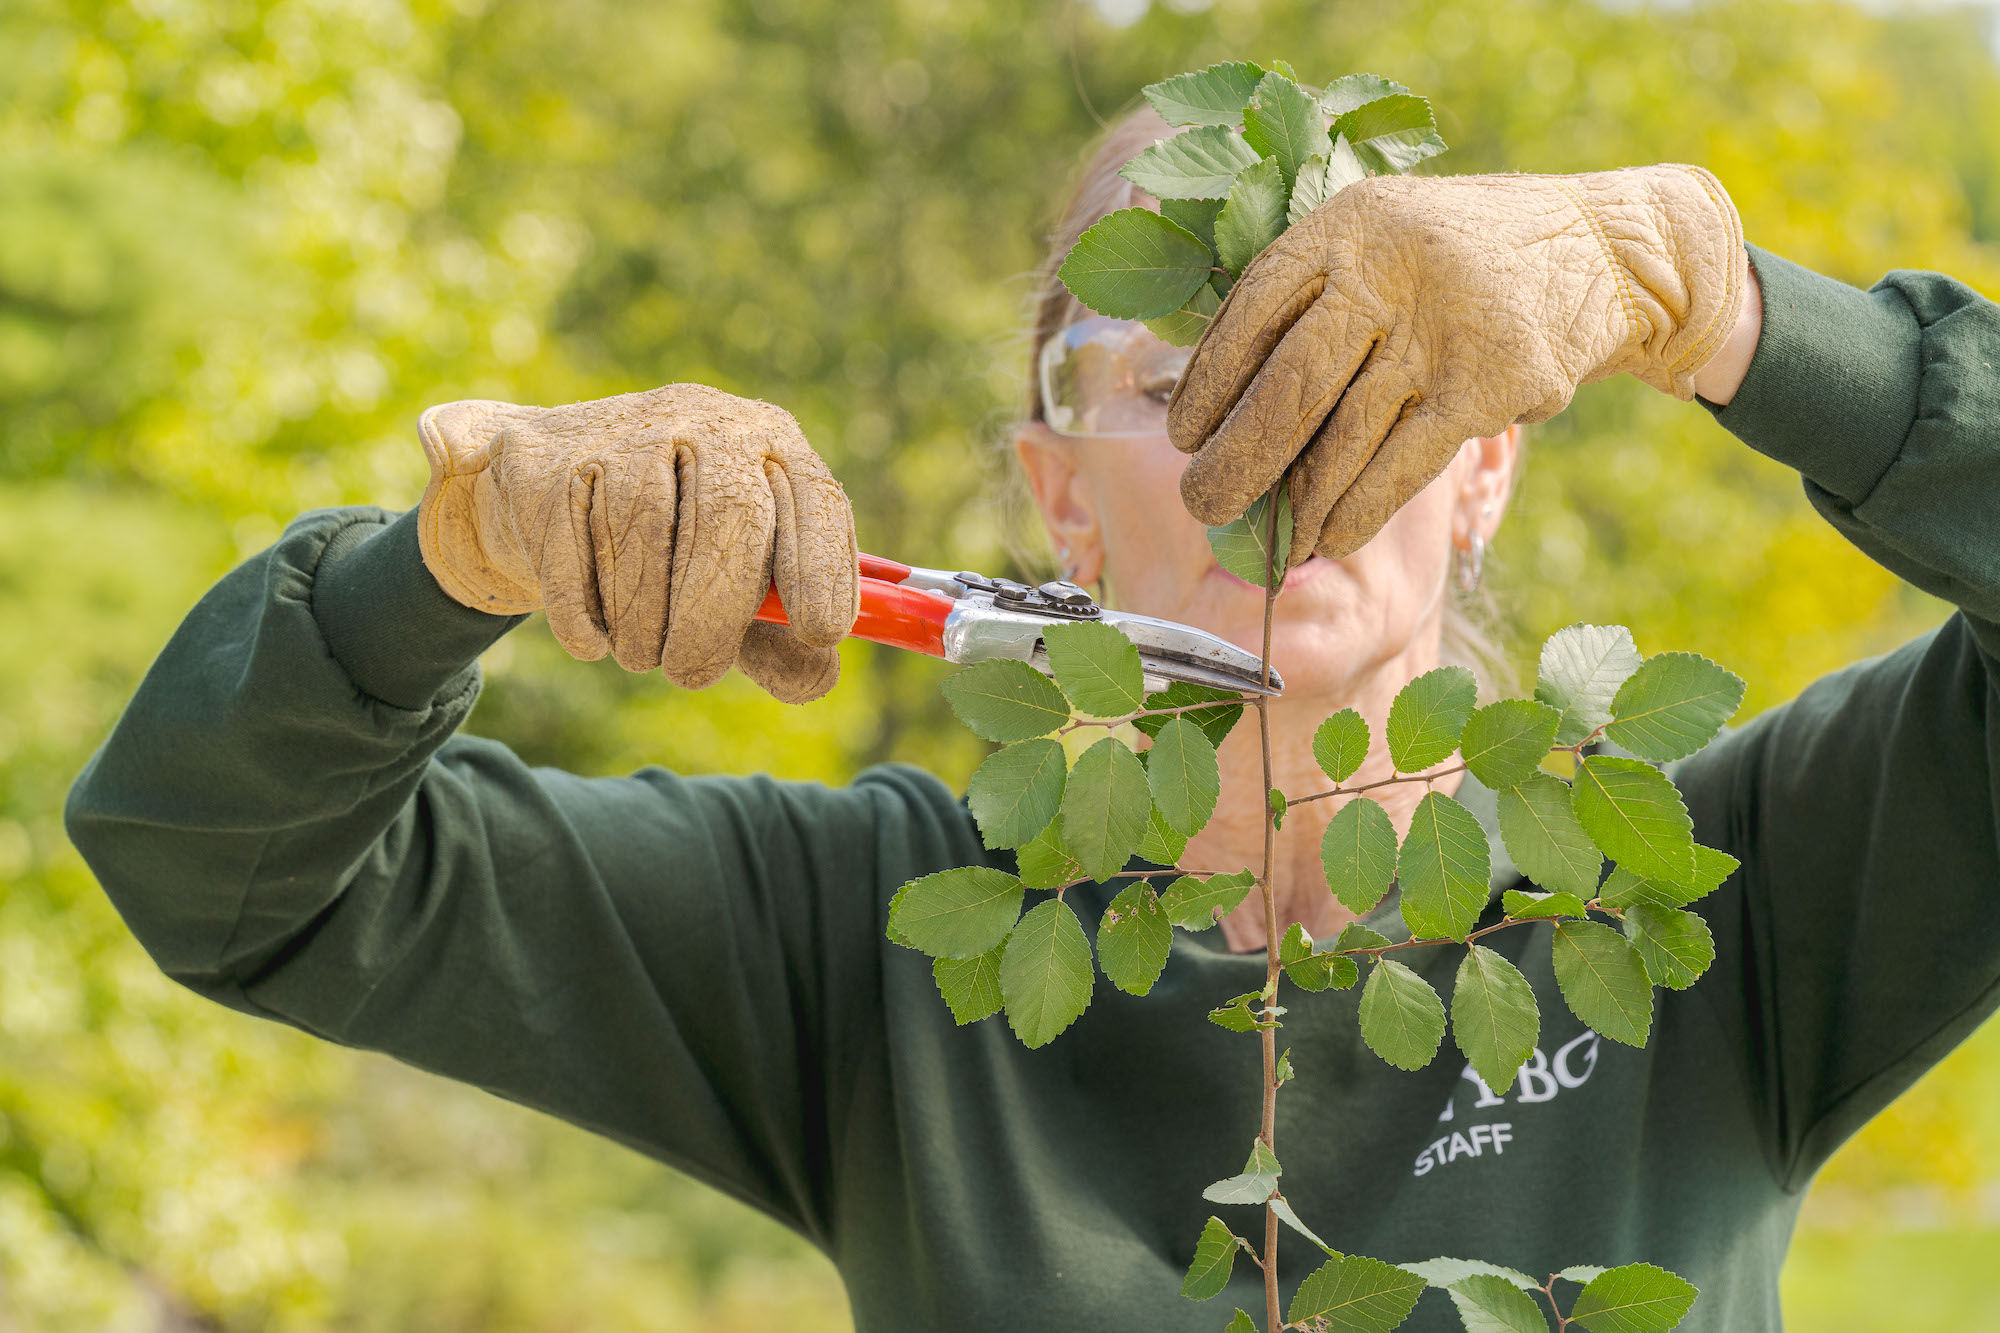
(1108, 377)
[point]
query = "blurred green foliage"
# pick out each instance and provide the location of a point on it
(243, 242)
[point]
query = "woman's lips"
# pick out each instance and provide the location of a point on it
(1295, 578)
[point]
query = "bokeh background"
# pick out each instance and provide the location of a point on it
(243, 242)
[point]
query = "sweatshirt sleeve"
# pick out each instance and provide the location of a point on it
(1864, 924)
(287, 821)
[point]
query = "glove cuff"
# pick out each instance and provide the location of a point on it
(468, 546)
(1676, 248)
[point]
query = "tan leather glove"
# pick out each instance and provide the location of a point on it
(1407, 315)
(649, 525)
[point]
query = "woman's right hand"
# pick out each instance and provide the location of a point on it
(649, 526)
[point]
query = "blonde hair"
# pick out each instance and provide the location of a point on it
(1473, 633)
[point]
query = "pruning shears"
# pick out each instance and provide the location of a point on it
(968, 617)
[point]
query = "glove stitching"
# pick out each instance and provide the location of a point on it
(1724, 317)
(1618, 274)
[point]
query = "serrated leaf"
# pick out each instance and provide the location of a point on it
(1283, 1209)
(1624, 887)
(971, 986)
(1494, 1018)
(1358, 854)
(956, 913)
(1198, 164)
(1284, 1070)
(1504, 743)
(1402, 1018)
(1341, 745)
(1356, 1294)
(1017, 791)
(1603, 981)
(1216, 723)
(1194, 903)
(1283, 123)
(1391, 134)
(1311, 968)
(1184, 327)
(1160, 844)
(1636, 1298)
(1045, 863)
(1581, 1273)
(1235, 1015)
(1428, 715)
(1006, 701)
(1196, 215)
(1105, 808)
(1527, 906)
(1675, 947)
(1444, 869)
(1135, 264)
(1442, 1272)
(1349, 91)
(1212, 96)
(1489, 1304)
(1321, 178)
(1579, 674)
(1132, 939)
(1354, 935)
(1045, 973)
(1254, 1183)
(1673, 705)
(1097, 667)
(1214, 1257)
(1242, 548)
(1632, 811)
(1253, 217)
(1242, 1323)
(1539, 828)
(1184, 775)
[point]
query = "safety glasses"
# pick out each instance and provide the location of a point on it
(1112, 378)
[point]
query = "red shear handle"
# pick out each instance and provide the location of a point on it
(875, 567)
(890, 613)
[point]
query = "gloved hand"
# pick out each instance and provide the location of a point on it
(1422, 312)
(648, 525)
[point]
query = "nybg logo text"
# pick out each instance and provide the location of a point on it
(1542, 1078)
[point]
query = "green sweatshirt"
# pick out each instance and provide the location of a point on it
(696, 967)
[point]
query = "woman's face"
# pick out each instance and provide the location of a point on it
(1116, 504)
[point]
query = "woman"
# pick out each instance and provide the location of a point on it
(697, 967)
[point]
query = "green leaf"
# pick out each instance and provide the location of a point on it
(1284, 123)
(1193, 903)
(1160, 844)
(1283, 1209)
(1184, 327)
(1185, 778)
(1045, 863)
(971, 986)
(1235, 1014)
(1624, 887)
(1006, 701)
(1105, 808)
(1391, 134)
(1358, 853)
(1445, 869)
(1674, 946)
(1356, 1294)
(1254, 1184)
(1354, 935)
(1242, 1323)
(1196, 215)
(1632, 811)
(1526, 906)
(1216, 723)
(1253, 217)
(1199, 164)
(1017, 791)
(1490, 1304)
(1132, 939)
(1402, 1018)
(1321, 178)
(1341, 745)
(1214, 1257)
(1504, 743)
(1673, 705)
(1134, 264)
(1441, 1273)
(1637, 1298)
(1045, 973)
(1211, 96)
(1284, 1070)
(1354, 90)
(1581, 1274)
(957, 913)
(1428, 715)
(1314, 969)
(1494, 1018)
(1240, 547)
(1097, 667)
(1538, 825)
(1579, 675)
(1274, 800)
(1603, 981)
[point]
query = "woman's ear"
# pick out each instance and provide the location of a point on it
(1489, 484)
(1065, 498)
